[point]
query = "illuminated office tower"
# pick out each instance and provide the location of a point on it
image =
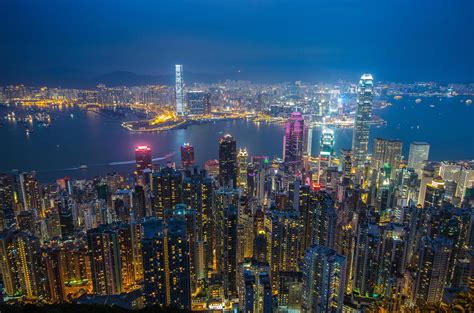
(242, 159)
(166, 190)
(432, 272)
(254, 287)
(308, 140)
(326, 152)
(21, 266)
(143, 159)
(227, 161)
(386, 151)
(283, 230)
(434, 194)
(166, 263)
(187, 155)
(30, 191)
(180, 107)
(418, 154)
(293, 141)
(323, 280)
(198, 102)
(362, 120)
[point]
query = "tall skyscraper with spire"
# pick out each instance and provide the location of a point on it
(360, 137)
(179, 90)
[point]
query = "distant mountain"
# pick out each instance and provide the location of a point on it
(68, 77)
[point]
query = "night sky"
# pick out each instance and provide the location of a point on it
(260, 40)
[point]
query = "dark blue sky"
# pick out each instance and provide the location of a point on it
(402, 40)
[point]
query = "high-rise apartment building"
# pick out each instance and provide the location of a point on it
(323, 280)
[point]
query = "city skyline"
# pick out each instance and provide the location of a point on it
(254, 156)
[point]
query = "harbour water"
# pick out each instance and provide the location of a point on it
(100, 145)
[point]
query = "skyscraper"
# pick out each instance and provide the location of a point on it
(228, 161)
(360, 137)
(432, 269)
(308, 140)
(166, 263)
(293, 141)
(283, 229)
(143, 159)
(323, 280)
(166, 190)
(30, 191)
(111, 257)
(255, 290)
(387, 151)
(434, 194)
(418, 154)
(187, 155)
(326, 153)
(180, 108)
(242, 159)
(20, 263)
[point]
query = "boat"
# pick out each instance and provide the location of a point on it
(83, 167)
(397, 97)
(468, 101)
(418, 100)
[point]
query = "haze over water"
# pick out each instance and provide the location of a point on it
(96, 141)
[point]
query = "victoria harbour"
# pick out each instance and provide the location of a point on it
(75, 133)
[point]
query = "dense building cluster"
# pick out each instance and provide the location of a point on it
(330, 233)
